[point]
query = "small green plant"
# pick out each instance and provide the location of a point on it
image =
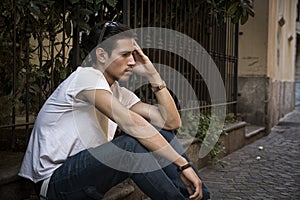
(230, 118)
(196, 126)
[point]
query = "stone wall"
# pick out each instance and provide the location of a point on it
(263, 101)
(281, 100)
(252, 95)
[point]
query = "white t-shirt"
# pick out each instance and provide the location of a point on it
(67, 125)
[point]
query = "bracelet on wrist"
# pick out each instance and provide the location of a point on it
(181, 168)
(157, 88)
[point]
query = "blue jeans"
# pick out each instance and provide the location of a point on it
(83, 176)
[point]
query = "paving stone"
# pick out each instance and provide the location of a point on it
(275, 176)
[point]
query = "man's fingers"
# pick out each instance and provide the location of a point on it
(136, 45)
(198, 191)
(190, 190)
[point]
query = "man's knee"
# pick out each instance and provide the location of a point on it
(129, 143)
(167, 134)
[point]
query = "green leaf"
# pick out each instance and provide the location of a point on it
(18, 17)
(233, 8)
(98, 1)
(35, 9)
(112, 3)
(90, 1)
(85, 11)
(250, 11)
(74, 1)
(244, 19)
(84, 26)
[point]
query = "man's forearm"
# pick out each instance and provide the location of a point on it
(151, 138)
(167, 106)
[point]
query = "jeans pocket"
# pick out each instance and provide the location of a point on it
(88, 192)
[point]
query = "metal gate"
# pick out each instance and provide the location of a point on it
(32, 66)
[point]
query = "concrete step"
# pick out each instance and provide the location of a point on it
(120, 191)
(254, 132)
(13, 187)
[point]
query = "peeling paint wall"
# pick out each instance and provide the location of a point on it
(267, 52)
(252, 66)
(281, 59)
(253, 42)
(282, 40)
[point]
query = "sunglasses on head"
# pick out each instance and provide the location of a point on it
(107, 24)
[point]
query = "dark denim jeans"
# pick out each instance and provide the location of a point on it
(83, 176)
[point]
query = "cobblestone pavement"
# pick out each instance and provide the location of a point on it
(269, 168)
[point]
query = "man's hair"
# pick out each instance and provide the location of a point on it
(98, 38)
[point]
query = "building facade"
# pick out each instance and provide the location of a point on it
(267, 62)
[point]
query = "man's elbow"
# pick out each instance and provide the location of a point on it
(174, 124)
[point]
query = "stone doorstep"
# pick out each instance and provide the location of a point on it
(10, 181)
(241, 134)
(9, 166)
(253, 133)
(234, 138)
(252, 130)
(120, 191)
(12, 186)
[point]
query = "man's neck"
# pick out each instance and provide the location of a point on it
(109, 79)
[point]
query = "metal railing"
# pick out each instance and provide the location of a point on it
(191, 18)
(34, 67)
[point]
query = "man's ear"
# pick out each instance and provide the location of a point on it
(101, 55)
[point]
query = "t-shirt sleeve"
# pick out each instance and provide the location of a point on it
(87, 79)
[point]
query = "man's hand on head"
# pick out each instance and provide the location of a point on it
(144, 66)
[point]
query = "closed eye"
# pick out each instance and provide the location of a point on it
(127, 53)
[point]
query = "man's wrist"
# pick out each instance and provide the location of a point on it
(158, 87)
(183, 167)
(155, 79)
(180, 162)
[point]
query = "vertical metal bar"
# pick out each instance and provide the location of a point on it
(64, 34)
(142, 13)
(201, 40)
(227, 63)
(175, 44)
(231, 64)
(27, 53)
(193, 35)
(126, 12)
(14, 77)
(52, 38)
(135, 14)
(235, 84)
(171, 43)
(40, 42)
(166, 41)
(160, 40)
(75, 50)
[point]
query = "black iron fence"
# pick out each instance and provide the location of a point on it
(32, 66)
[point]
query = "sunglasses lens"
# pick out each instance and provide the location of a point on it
(107, 24)
(112, 24)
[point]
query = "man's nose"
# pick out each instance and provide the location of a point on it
(131, 60)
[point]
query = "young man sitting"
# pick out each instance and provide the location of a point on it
(72, 154)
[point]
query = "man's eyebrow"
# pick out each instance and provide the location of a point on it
(126, 51)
